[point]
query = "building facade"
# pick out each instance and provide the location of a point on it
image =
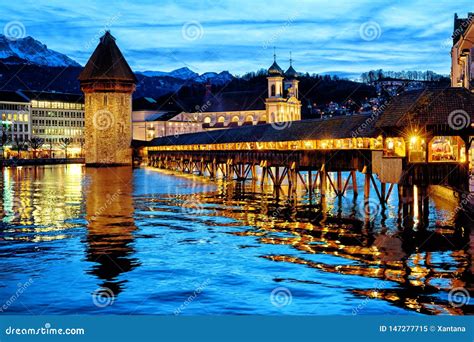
(282, 104)
(149, 121)
(226, 110)
(15, 111)
(58, 119)
(462, 52)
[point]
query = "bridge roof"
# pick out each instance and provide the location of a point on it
(333, 128)
(427, 107)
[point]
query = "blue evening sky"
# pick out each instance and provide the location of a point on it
(238, 36)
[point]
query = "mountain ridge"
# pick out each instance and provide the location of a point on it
(31, 51)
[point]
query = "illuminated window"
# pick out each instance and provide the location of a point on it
(445, 149)
(417, 149)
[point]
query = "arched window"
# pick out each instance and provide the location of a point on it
(235, 119)
(272, 90)
(207, 120)
(272, 117)
(249, 118)
(221, 119)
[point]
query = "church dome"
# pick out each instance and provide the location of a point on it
(291, 72)
(275, 69)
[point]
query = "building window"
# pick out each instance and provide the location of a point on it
(272, 90)
(417, 150)
(446, 149)
(105, 100)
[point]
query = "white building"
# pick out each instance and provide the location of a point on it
(223, 110)
(149, 121)
(15, 111)
(462, 52)
(55, 117)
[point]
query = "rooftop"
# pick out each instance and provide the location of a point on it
(51, 96)
(12, 96)
(107, 63)
(427, 107)
(333, 128)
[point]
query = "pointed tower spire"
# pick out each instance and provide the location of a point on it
(291, 60)
(275, 68)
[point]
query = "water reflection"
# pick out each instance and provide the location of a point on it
(109, 213)
(129, 231)
(423, 256)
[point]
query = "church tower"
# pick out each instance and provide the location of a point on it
(291, 87)
(282, 104)
(108, 83)
(275, 92)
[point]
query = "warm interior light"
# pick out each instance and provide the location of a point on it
(413, 139)
(390, 144)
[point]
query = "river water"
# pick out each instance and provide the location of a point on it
(76, 240)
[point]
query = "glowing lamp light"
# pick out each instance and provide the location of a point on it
(390, 145)
(413, 140)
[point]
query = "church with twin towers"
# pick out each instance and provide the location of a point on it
(108, 83)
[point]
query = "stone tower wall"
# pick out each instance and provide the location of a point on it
(108, 128)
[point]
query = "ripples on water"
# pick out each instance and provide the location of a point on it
(151, 242)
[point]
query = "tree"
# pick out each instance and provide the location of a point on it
(3, 142)
(35, 143)
(65, 142)
(50, 145)
(82, 141)
(19, 146)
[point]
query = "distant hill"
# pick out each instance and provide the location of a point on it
(30, 51)
(28, 64)
(249, 93)
(187, 74)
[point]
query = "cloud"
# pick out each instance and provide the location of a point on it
(239, 36)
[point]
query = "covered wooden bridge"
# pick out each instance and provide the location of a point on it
(416, 140)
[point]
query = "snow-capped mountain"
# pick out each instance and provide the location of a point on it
(30, 51)
(181, 73)
(187, 74)
(215, 78)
